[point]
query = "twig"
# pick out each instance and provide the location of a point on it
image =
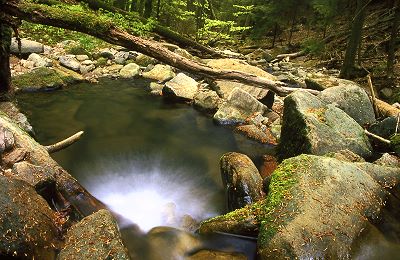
(397, 124)
(371, 88)
(64, 143)
(376, 137)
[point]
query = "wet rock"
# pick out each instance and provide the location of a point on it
(224, 88)
(188, 223)
(70, 62)
(268, 166)
(385, 128)
(346, 155)
(36, 176)
(27, 227)
(180, 87)
(241, 179)
(353, 100)
(314, 203)
(6, 140)
(130, 70)
(12, 112)
(388, 160)
(310, 126)
(16, 155)
(121, 56)
(207, 100)
(38, 60)
(42, 79)
(171, 243)
(155, 88)
(239, 106)
(216, 255)
(94, 237)
(27, 47)
(144, 60)
(160, 73)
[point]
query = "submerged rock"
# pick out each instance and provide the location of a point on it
(180, 87)
(239, 106)
(310, 126)
(27, 225)
(353, 100)
(241, 179)
(316, 208)
(160, 73)
(94, 237)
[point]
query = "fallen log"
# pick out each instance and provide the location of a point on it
(64, 143)
(93, 24)
(289, 55)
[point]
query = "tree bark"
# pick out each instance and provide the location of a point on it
(5, 74)
(392, 42)
(170, 35)
(148, 8)
(348, 67)
(89, 23)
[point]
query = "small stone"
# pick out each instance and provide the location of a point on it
(87, 62)
(84, 69)
(82, 57)
(70, 62)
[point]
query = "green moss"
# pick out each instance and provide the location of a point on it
(38, 79)
(101, 61)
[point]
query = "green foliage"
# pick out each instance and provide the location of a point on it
(313, 46)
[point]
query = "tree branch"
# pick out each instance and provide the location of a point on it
(64, 143)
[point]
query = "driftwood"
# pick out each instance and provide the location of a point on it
(289, 55)
(64, 143)
(89, 23)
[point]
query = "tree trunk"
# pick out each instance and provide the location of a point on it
(211, 7)
(275, 35)
(348, 68)
(148, 8)
(5, 73)
(172, 36)
(134, 6)
(158, 9)
(141, 7)
(392, 42)
(292, 29)
(120, 4)
(90, 23)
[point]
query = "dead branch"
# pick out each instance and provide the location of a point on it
(64, 143)
(377, 137)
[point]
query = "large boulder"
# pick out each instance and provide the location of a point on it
(239, 106)
(311, 126)
(316, 208)
(321, 81)
(353, 100)
(27, 226)
(224, 88)
(206, 100)
(160, 73)
(130, 70)
(27, 47)
(180, 87)
(94, 237)
(241, 179)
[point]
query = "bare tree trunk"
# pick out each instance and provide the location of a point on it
(348, 67)
(275, 35)
(148, 8)
(5, 74)
(292, 29)
(158, 9)
(89, 23)
(392, 42)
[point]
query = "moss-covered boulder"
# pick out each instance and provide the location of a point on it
(27, 226)
(241, 179)
(316, 208)
(313, 127)
(42, 79)
(94, 237)
(353, 100)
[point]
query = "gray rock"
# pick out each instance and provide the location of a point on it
(144, 60)
(386, 92)
(6, 140)
(84, 69)
(238, 107)
(310, 126)
(36, 176)
(28, 64)
(26, 222)
(160, 73)
(70, 62)
(207, 100)
(87, 62)
(241, 179)
(121, 56)
(82, 57)
(94, 237)
(384, 128)
(27, 46)
(12, 111)
(388, 160)
(353, 100)
(180, 87)
(321, 81)
(38, 60)
(107, 53)
(130, 70)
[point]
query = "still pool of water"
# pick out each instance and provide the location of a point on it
(139, 155)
